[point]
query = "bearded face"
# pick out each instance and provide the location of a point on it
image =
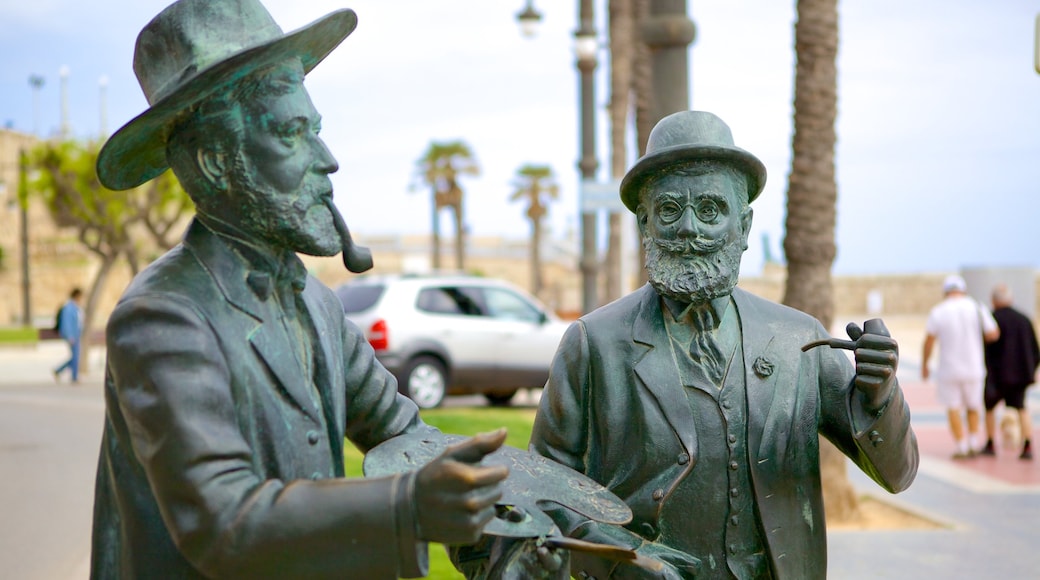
(695, 227)
(272, 180)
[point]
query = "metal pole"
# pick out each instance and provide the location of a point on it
(66, 127)
(586, 66)
(23, 227)
(668, 31)
(103, 107)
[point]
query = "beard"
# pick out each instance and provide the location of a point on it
(692, 271)
(296, 222)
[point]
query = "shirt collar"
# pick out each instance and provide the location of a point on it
(682, 312)
(266, 270)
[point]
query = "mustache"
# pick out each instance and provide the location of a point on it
(690, 247)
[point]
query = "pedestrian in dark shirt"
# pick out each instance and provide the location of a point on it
(1011, 363)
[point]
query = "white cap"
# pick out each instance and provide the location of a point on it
(954, 282)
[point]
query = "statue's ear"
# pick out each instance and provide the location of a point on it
(745, 225)
(213, 165)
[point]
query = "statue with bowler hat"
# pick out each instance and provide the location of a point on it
(695, 401)
(232, 377)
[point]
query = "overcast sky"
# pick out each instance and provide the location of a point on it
(938, 158)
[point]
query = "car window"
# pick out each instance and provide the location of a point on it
(510, 306)
(449, 300)
(359, 297)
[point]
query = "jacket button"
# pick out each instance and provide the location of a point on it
(684, 458)
(313, 437)
(658, 494)
(732, 438)
(733, 465)
(876, 439)
(734, 492)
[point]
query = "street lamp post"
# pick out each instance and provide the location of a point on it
(23, 231)
(36, 83)
(668, 32)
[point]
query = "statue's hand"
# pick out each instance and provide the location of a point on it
(454, 497)
(877, 356)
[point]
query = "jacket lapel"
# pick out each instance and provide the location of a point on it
(769, 410)
(328, 374)
(656, 368)
(265, 334)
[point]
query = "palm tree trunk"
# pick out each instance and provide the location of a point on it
(435, 250)
(811, 199)
(536, 258)
(460, 237)
(622, 39)
(642, 83)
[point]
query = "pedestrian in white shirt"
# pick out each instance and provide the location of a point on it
(960, 325)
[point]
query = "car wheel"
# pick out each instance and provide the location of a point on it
(500, 399)
(425, 382)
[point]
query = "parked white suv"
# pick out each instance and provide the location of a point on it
(454, 335)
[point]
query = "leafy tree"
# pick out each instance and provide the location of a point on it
(812, 195)
(536, 184)
(440, 168)
(109, 224)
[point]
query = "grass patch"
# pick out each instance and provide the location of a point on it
(459, 421)
(18, 335)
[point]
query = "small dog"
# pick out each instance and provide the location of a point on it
(1010, 431)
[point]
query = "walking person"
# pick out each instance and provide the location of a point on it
(960, 325)
(70, 329)
(1011, 363)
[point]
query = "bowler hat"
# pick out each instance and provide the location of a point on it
(193, 49)
(690, 136)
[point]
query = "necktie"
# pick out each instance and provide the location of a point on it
(704, 347)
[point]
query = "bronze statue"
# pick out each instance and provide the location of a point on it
(232, 376)
(693, 401)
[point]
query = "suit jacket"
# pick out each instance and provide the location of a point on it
(217, 459)
(614, 409)
(1012, 359)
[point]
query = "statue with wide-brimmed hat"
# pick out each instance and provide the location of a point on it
(232, 376)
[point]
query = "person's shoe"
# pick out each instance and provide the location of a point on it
(1027, 452)
(57, 377)
(960, 455)
(988, 450)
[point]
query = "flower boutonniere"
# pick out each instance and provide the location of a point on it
(762, 367)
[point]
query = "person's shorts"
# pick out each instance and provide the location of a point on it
(959, 394)
(1014, 396)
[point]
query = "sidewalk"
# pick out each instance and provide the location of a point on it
(989, 505)
(33, 365)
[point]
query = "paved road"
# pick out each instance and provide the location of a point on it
(49, 437)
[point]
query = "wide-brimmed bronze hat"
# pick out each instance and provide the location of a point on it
(191, 50)
(690, 136)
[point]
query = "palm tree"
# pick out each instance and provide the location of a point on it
(812, 194)
(537, 184)
(439, 168)
(622, 53)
